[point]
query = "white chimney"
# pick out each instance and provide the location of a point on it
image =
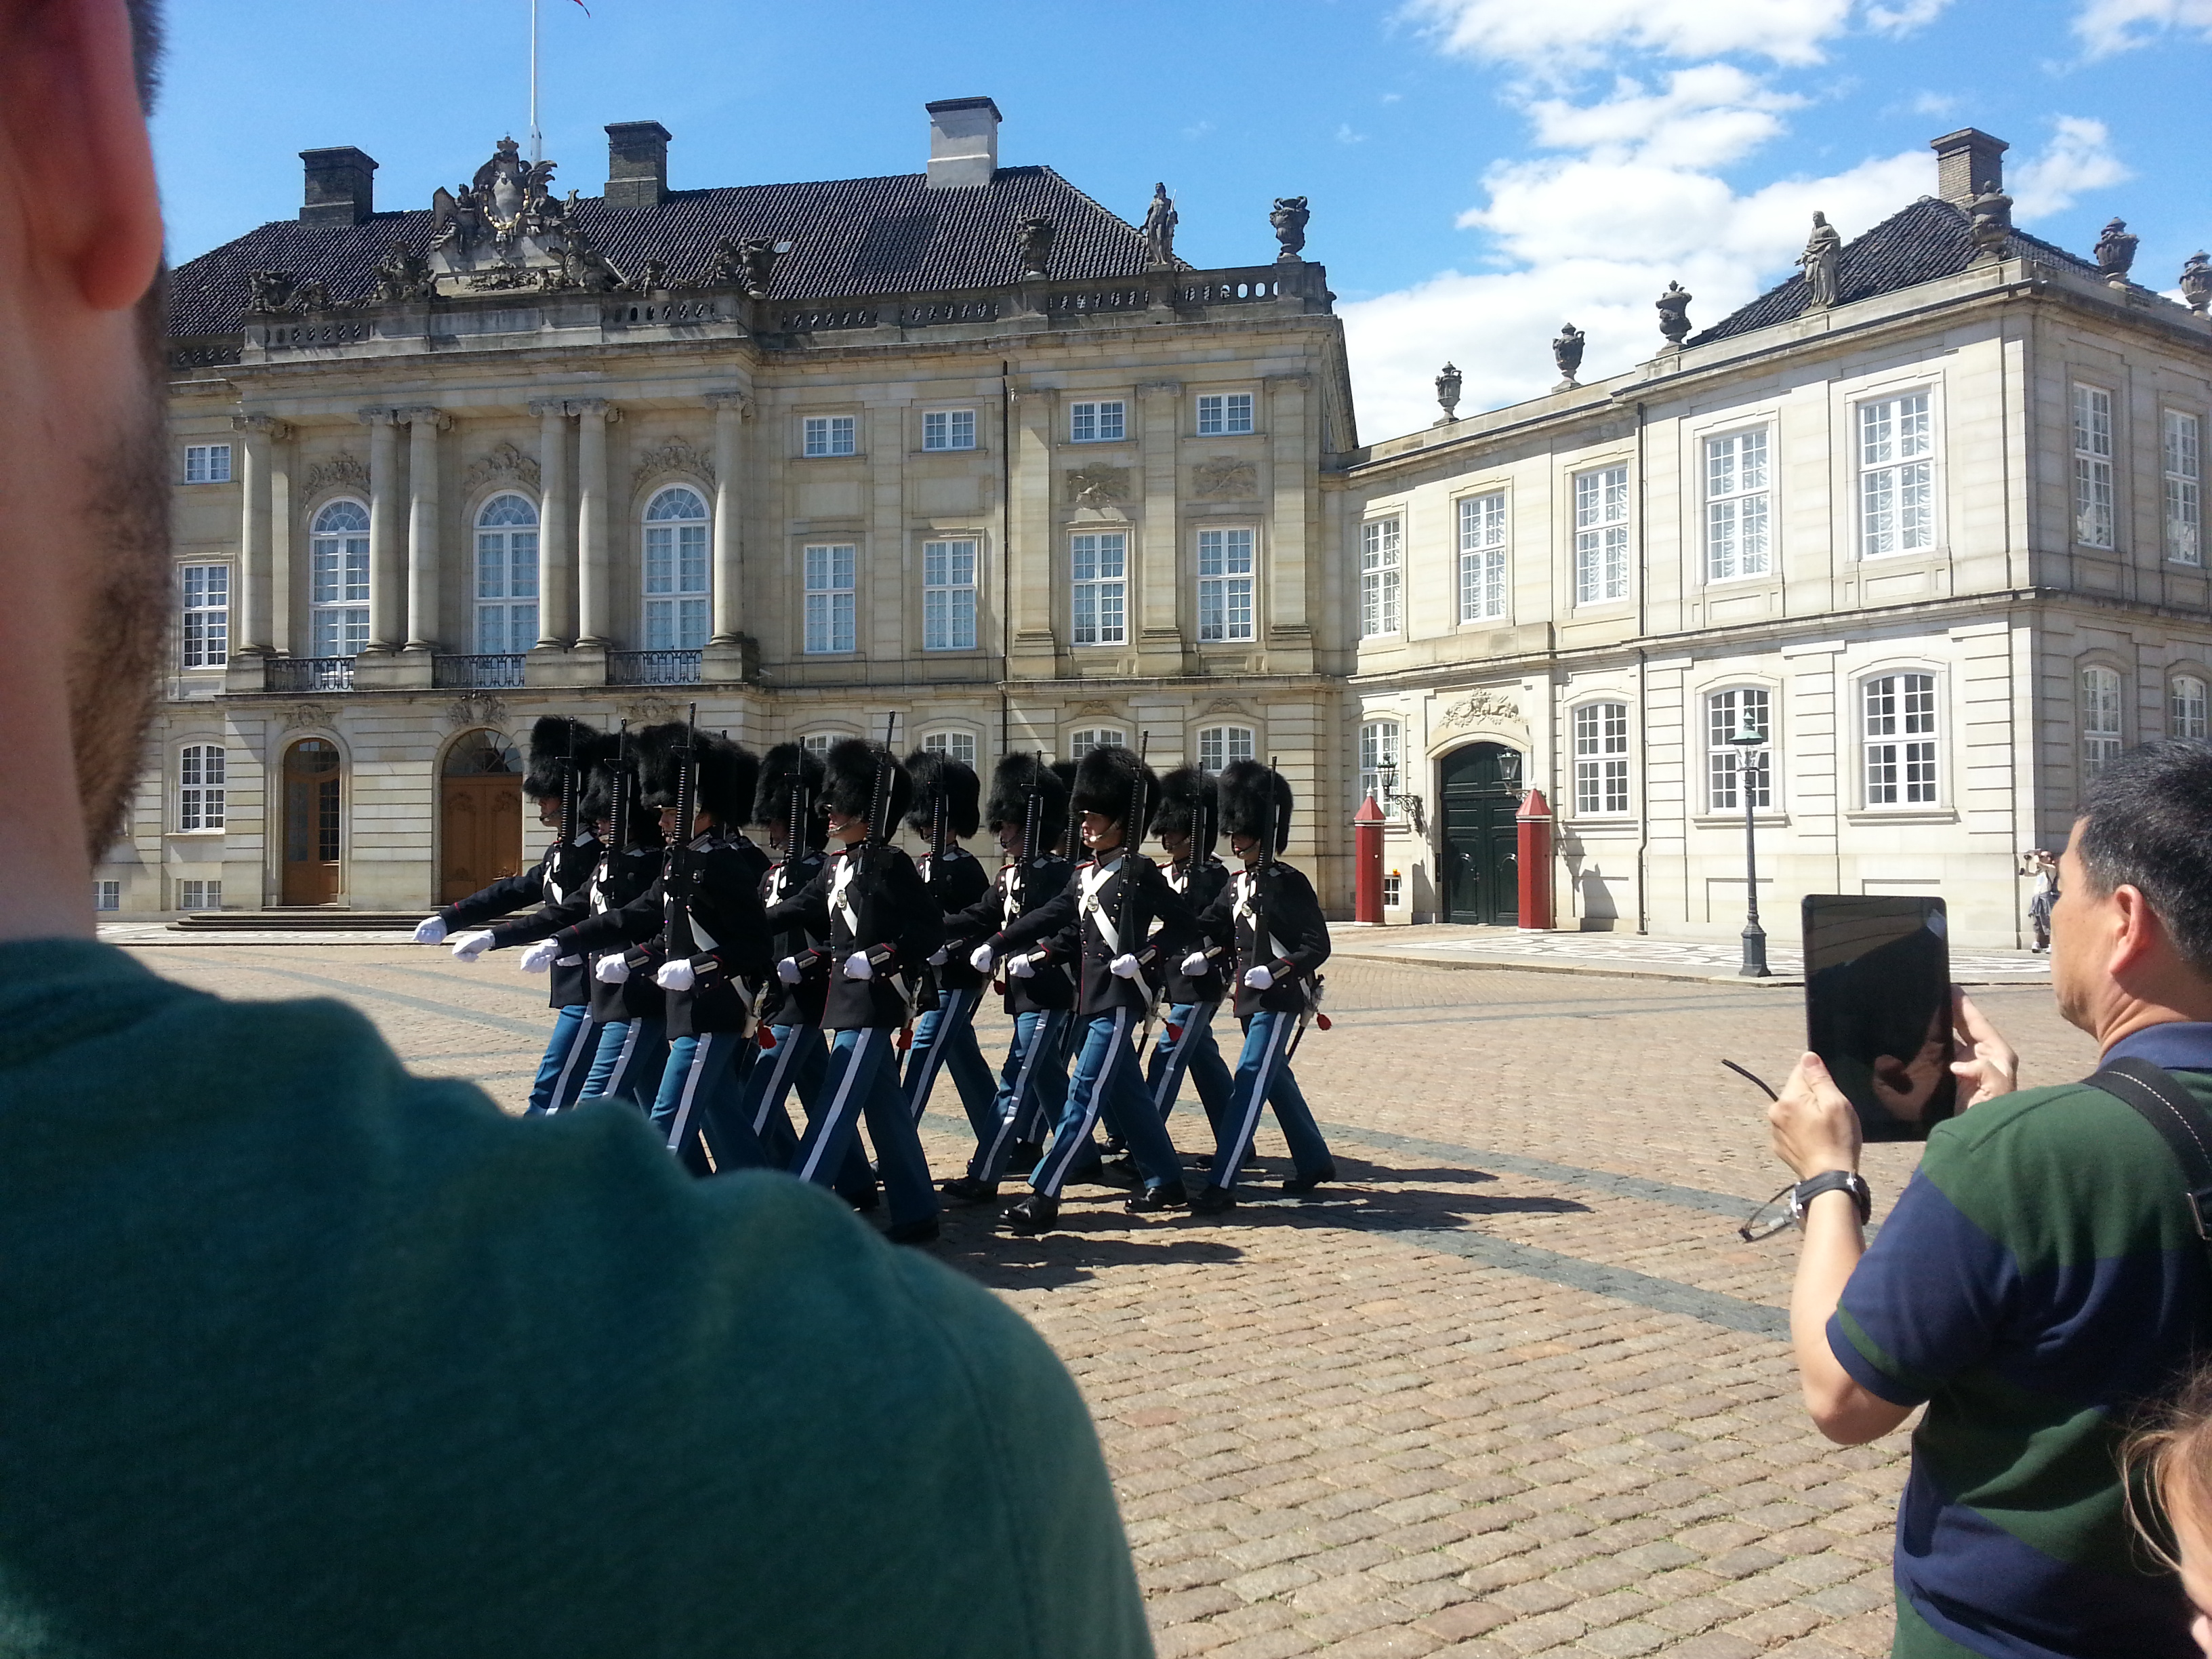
(964, 141)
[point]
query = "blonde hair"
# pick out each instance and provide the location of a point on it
(2167, 1465)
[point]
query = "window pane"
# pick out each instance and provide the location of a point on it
(2187, 716)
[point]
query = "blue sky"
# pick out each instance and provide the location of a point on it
(1480, 170)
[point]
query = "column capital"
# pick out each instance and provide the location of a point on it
(1159, 388)
(542, 407)
(738, 402)
(598, 406)
(377, 416)
(266, 425)
(424, 415)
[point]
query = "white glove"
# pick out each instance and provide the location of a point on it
(613, 969)
(430, 930)
(539, 957)
(787, 970)
(939, 956)
(857, 966)
(469, 947)
(1259, 979)
(981, 959)
(1124, 966)
(1195, 964)
(1022, 967)
(675, 976)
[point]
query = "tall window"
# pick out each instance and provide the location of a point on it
(1726, 712)
(1897, 476)
(1098, 566)
(1097, 422)
(1601, 759)
(1381, 544)
(2092, 467)
(1735, 506)
(337, 579)
(2183, 455)
(199, 786)
(948, 596)
(1379, 765)
(1224, 583)
(1601, 535)
(1899, 715)
(1482, 557)
(2185, 715)
(204, 636)
(1218, 745)
(2100, 719)
(948, 428)
(207, 463)
(832, 434)
(506, 575)
(953, 745)
(1080, 744)
(107, 896)
(676, 605)
(1219, 412)
(832, 575)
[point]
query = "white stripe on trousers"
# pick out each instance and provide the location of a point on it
(1055, 1168)
(623, 1055)
(1013, 1113)
(1262, 1080)
(1170, 1084)
(828, 1124)
(948, 1010)
(774, 1092)
(585, 1030)
(702, 1046)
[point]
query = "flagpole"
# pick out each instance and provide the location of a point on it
(536, 138)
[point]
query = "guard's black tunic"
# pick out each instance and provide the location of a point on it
(1200, 885)
(955, 884)
(799, 1004)
(1074, 927)
(1018, 889)
(1280, 896)
(867, 898)
(557, 879)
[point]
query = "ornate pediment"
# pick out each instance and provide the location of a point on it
(1225, 478)
(307, 717)
(1482, 708)
(476, 709)
(647, 710)
(504, 464)
(341, 470)
(676, 455)
(1099, 486)
(505, 229)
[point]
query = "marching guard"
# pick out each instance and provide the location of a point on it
(632, 1012)
(946, 796)
(1186, 825)
(785, 806)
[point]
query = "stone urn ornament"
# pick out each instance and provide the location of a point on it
(1674, 306)
(1448, 387)
(1033, 239)
(1990, 224)
(1567, 352)
(1289, 218)
(2197, 283)
(2116, 252)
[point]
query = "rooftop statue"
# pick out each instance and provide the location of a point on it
(1159, 229)
(504, 229)
(1033, 238)
(1823, 255)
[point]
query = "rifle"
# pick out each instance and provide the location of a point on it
(675, 884)
(618, 825)
(879, 797)
(568, 826)
(1132, 831)
(797, 808)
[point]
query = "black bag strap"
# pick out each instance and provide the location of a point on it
(2180, 1121)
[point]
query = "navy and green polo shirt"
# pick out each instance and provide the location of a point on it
(2039, 1278)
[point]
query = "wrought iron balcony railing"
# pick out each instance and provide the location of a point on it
(653, 668)
(309, 674)
(477, 672)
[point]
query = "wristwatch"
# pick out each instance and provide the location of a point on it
(1832, 1181)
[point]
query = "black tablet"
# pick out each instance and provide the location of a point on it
(1878, 1008)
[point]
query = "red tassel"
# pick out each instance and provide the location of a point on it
(765, 1037)
(904, 1040)
(1322, 1020)
(1175, 1032)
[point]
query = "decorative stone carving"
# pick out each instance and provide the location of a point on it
(675, 455)
(647, 710)
(275, 294)
(475, 709)
(2197, 282)
(341, 470)
(1289, 219)
(1823, 255)
(1448, 382)
(1567, 352)
(505, 229)
(1225, 478)
(2116, 252)
(307, 717)
(505, 463)
(1990, 224)
(749, 266)
(1159, 229)
(740, 401)
(652, 279)
(402, 275)
(268, 426)
(1097, 486)
(1482, 708)
(1674, 307)
(1033, 239)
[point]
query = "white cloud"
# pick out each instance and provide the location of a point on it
(1345, 134)
(2109, 25)
(1904, 17)
(2079, 160)
(1707, 116)
(1580, 32)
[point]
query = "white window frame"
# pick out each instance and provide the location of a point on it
(1600, 507)
(1597, 732)
(820, 742)
(1482, 533)
(107, 896)
(1099, 602)
(203, 615)
(2185, 705)
(954, 744)
(1081, 743)
(210, 897)
(2181, 453)
(2104, 717)
(1725, 706)
(1739, 483)
(677, 572)
(207, 463)
(1893, 442)
(826, 436)
(203, 770)
(338, 581)
(513, 547)
(1382, 577)
(949, 564)
(1224, 414)
(1098, 421)
(948, 429)
(1218, 745)
(1382, 748)
(1901, 740)
(830, 580)
(1228, 584)
(2096, 518)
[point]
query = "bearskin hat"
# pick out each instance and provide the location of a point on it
(1107, 780)
(1065, 771)
(1019, 776)
(727, 772)
(1186, 807)
(848, 780)
(932, 772)
(784, 766)
(596, 800)
(1255, 801)
(549, 747)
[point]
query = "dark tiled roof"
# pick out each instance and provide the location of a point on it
(1927, 240)
(848, 236)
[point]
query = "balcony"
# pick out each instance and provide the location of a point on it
(477, 673)
(653, 668)
(309, 674)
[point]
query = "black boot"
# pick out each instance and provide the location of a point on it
(969, 1189)
(1306, 1184)
(923, 1231)
(1120, 1172)
(1034, 1214)
(1150, 1199)
(1028, 1154)
(1213, 1201)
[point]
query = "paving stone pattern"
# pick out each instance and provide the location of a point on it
(1515, 1387)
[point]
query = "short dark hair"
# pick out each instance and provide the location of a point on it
(146, 49)
(2147, 824)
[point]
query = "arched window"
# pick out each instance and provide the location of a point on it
(2187, 717)
(2100, 719)
(337, 565)
(1218, 745)
(1080, 744)
(506, 575)
(200, 773)
(1901, 733)
(1726, 714)
(956, 745)
(1378, 766)
(1601, 735)
(676, 607)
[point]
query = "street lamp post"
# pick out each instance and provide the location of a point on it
(1746, 743)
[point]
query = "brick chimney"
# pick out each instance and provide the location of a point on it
(1968, 163)
(964, 141)
(637, 164)
(341, 186)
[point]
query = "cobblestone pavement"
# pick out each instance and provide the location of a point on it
(1515, 1387)
(1641, 953)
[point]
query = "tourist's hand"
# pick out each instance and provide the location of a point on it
(1815, 1125)
(1989, 1066)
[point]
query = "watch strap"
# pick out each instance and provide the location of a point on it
(1832, 1181)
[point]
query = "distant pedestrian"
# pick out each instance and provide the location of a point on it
(2042, 864)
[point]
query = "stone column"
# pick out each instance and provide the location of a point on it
(252, 635)
(1159, 638)
(592, 417)
(423, 426)
(557, 570)
(731, 409)
(386, 583)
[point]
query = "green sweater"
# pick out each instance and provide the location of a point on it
(302, 1356)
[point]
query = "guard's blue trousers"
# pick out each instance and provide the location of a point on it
(567, 1061)
(1186, 1046)
(632, 1054)
(944, 1040)
(1263, 1079)
(795, 1059)
(861, 1081)
(1105, 1082)
(698, 1108)
(1034, 1080)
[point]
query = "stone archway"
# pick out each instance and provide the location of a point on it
(315, 822)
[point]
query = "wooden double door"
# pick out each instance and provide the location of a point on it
(479, 815)
(1480, 789)
(315, 822)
